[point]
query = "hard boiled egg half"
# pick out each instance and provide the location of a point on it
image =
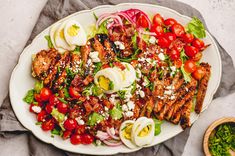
(137, 133)
(108, 80)
(67, 35)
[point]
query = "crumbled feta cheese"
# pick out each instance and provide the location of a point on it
(172, 97)
(94, 56)
(36, 109)
(168, 92)
(142, 94)
(129, 113)
(98, 142)
(131, 105)
(106, 108)
(152, 40)
(161, 56)
(81, 122)
(186, 89)
(112, 130)
(120, 45)
(113, 100)
(124, 108)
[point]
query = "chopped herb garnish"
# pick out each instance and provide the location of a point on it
(111, 85)
(62, 100)
(121, 94)
(95, 16)
(38, 123)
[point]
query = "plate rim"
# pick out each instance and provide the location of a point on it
(91, 10)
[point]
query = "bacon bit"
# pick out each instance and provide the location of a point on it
(87, 80)
(134, 63)
(119, 65)
(82, 98)
(88, 107)
(108, 104)
(93, 100)
(97, 107)
(105, 66)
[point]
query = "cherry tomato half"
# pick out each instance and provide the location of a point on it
(190, 66)
(199, 73)
(87, 139)
(41, 116)
(70, 124)
(197, 57)
(188, 38)
(73, 92)
(45, 94)
(177, 29)
(62, 107)
(49, 107)
(48, 125)
(198, 43)
(163, 42)
(53, 100)
(174, 54)
(142, 21)
(76, 139)
(190, 51)
(66, 134)
(170, 36)
(158, 19)
(169, 22)
(37, 97)
(158, 29)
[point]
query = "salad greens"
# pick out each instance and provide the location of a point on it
(94, 118)
(196, 27)
(116, 113)
(29, 98)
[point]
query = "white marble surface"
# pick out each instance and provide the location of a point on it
(19, 17)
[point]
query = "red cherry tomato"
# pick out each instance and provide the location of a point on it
(158, 19)
(190, 66)
(73, 92)
(142, 21)
(66, 134)
(158, 29)
(80, 129)
(37, 97)
(49, 107)
(76, 139)
(178, 63)
(87, 139)
(199, 73)
(198, 43)
(188, 38)
(197, 57)
(70, 124)
(169, 22)
(53, 100)
(174, 54)
(62, 107)
(41, 116)
(163, 42)
(190, 51)
(177, 29)
(48, 125)
(45, 94)
(170, 36)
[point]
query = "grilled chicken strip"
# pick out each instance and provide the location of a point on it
(57, 68)
(185, 114)
(85, 51)
(184, 95)
(148, 108)
(75, 63)
(202, 87)
(43, 61)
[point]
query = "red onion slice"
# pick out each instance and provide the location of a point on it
(111, 134)
(112, 143)
(102, 135)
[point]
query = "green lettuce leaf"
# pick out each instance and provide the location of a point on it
(196, 27)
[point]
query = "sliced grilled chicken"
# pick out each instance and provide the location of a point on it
(43, 61)
(202, 87)
(185, 114)
(56, 69)
(75, 62)
(183, 95)
(85, 51)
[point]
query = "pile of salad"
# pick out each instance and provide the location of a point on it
(116, 84)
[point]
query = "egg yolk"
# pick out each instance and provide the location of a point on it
(73, 30)
(62, 34)
(144, 131)
(127, 131)
(104, 82)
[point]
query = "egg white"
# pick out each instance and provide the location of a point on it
(52, 36)
(127, 142)
(79, 39)
(112, 75)
(128, 74)
(138, 126)
(61, 42)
